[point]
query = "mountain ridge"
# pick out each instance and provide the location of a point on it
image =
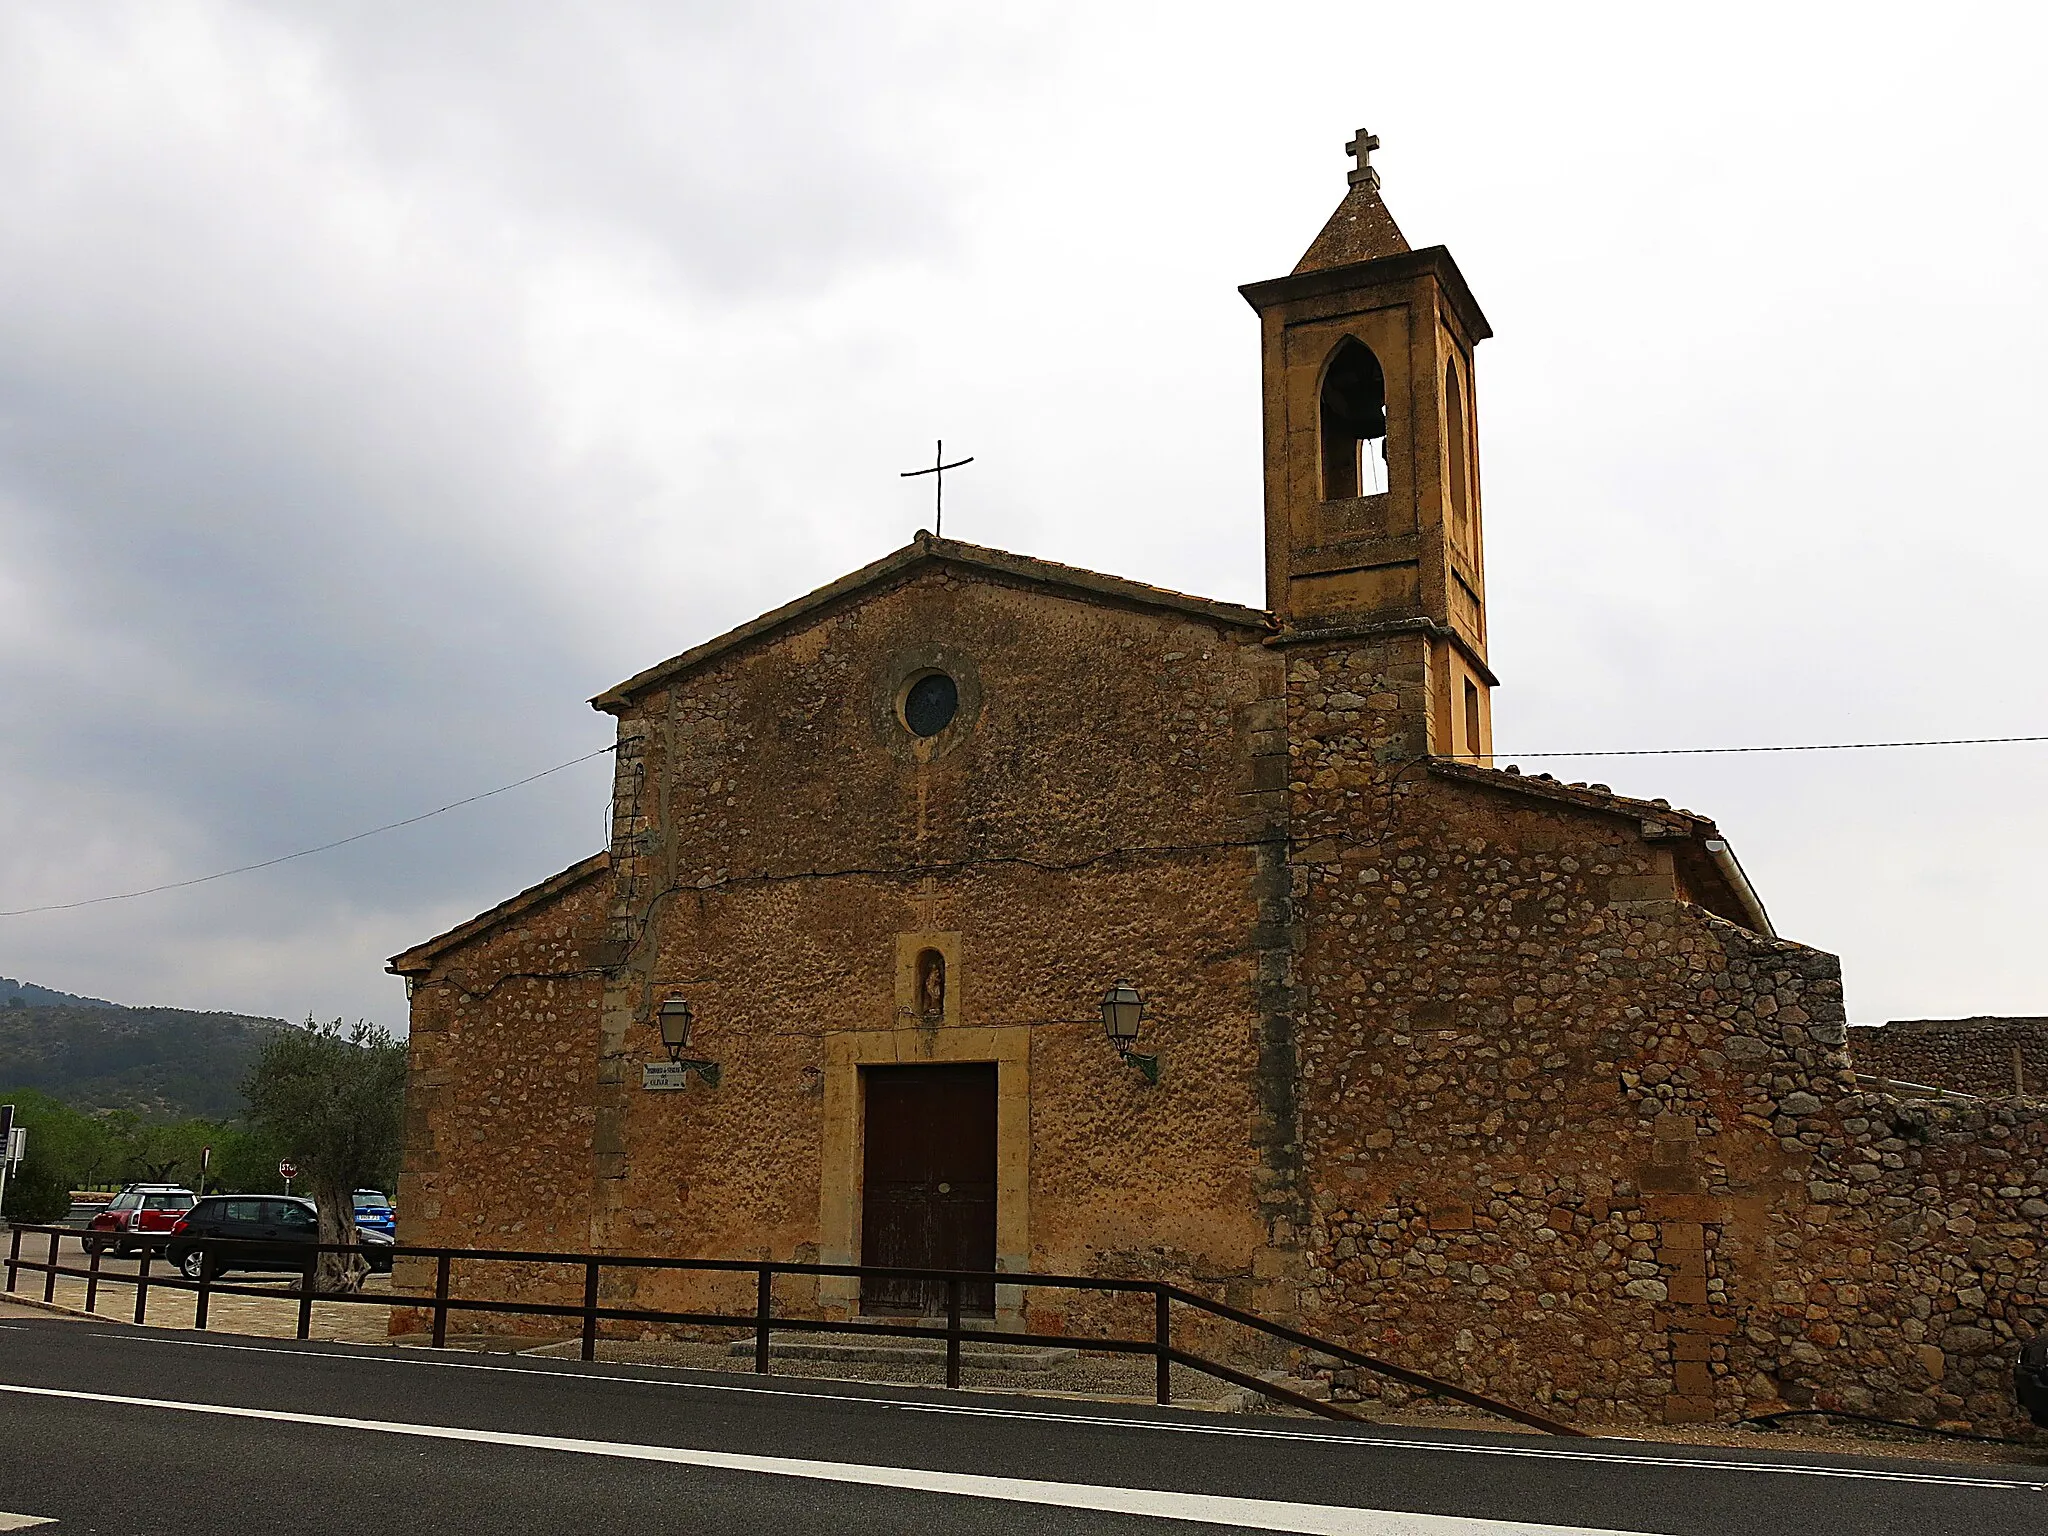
(163, 1063)
(45, 997)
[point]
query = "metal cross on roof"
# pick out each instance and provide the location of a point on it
(1361, 147)
(938, 470)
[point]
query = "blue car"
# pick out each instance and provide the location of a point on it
(374, 1213)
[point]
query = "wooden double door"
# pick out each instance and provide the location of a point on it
(928, 1191)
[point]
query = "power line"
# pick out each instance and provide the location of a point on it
(1818, 746)
(339, 842)
(342, 842)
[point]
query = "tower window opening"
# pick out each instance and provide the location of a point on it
(1472, 746)
(1354, 423)
(1460, 455)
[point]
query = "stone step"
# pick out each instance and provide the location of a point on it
(900, 1351)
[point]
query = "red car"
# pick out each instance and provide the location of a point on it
(141, 1216)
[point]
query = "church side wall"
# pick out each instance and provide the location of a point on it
(1577, 1142)
(499, 1103)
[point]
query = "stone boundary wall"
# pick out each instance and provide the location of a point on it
(1884, 1257)
(1994, 1058)
(1915, 1267)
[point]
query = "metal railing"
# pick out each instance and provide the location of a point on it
(762, 1320)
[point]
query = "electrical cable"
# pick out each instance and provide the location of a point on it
(339, 842)
(179, 885)
(1817, 746)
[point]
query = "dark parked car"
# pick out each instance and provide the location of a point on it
(141, 1216)
(2030, 1379)
(268, 1232)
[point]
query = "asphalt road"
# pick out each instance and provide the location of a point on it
(108, 1428)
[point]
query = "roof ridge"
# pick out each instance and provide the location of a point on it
(928, 547)
(1548, 787)
(423, 952)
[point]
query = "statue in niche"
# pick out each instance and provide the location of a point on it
(931, 986)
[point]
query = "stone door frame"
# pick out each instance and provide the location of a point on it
(843, 1146)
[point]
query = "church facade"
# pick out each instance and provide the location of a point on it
(1506, 1079)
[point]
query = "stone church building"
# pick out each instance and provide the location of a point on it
(1505, 1079)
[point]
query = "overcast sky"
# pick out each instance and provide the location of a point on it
(378, 382)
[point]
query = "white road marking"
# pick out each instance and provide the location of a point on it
(1158, 1503)
(1328, 1437)
(22, 1522)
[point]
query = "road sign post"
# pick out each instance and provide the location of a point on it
(287, 1170)
(6, 1149)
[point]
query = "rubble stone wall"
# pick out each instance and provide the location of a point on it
(1993, 1058)
(785, 847)
(1572, 1139)
(1913, 1268)
(499, 1103)
(1473, 1071)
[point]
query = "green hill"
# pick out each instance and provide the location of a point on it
(45, 997)
(165, 1063)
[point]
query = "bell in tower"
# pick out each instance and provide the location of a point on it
(1372, 468)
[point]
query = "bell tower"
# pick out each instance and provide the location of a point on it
(1372, 464)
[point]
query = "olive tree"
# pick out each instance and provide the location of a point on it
(333, 1099)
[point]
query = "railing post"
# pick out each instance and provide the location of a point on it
(50, 1274)
(953, 1332)
(306, 1290)
(142, 1287)
(92, 1279)
(761, 1321)
(441, 1301)
(199, 1306)
(13, 1256)
(1162, 1344)
(590, 1310)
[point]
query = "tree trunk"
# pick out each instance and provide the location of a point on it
(339, 1273)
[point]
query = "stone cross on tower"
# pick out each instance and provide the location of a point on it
(1362, 147)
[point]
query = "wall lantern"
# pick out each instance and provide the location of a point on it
(676, 1018)
(1123, 1010)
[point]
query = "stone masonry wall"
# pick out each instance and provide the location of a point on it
(1456, 1067)
(499, 1098)
(1094, 817)
(1994, 1058)
(1914, 1267)
(1575, 1141)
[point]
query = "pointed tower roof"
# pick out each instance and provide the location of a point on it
(1361, 229)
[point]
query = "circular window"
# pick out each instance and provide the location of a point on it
(929, 706)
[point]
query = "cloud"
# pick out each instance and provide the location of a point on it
(379, 382)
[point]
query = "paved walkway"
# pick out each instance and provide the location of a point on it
(271, 1316)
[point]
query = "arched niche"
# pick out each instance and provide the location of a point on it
(1458, 442)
